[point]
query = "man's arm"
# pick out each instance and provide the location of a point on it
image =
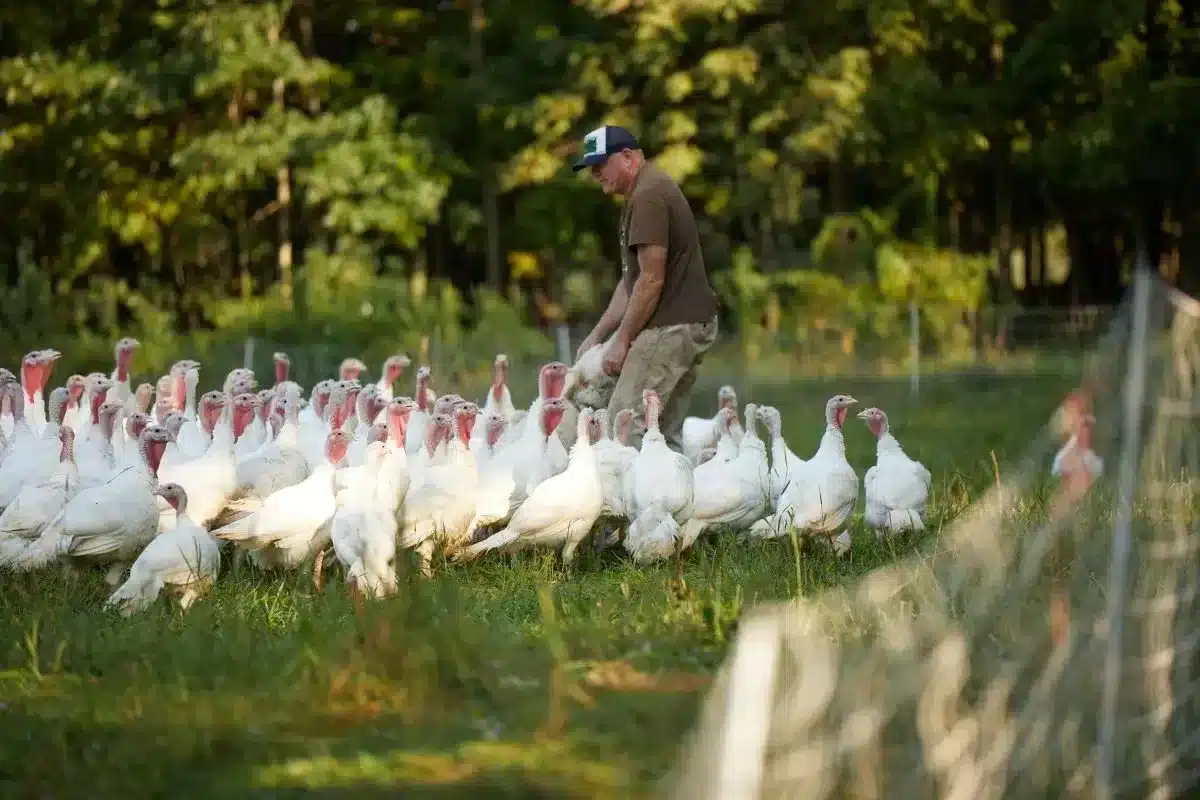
(647, 288)
(649, 232)
(613, 314)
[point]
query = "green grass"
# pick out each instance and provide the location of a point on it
(505, 678)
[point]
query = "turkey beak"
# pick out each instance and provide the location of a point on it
(863, 414)
(850, 401)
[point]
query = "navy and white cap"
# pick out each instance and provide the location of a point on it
(604, 142)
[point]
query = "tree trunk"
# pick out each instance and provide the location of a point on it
(491, 193)
(1095, 258)
(305, 11)
(283, 192)
(838, 202)
(1038, 259)
(1000, 284)
(239, 260)
(283, 196)
(932, 189)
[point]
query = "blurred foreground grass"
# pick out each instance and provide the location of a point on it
(507, 678)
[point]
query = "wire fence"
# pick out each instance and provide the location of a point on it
(1044, 644)
(892, 344)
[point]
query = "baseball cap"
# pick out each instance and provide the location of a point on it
(604, 142)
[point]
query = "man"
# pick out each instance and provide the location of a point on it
(662, 317)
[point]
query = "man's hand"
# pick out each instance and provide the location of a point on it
(614, 356)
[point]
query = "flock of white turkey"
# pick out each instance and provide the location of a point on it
(154, 479)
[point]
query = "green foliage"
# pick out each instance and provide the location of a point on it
(808, 305)
(159, 160)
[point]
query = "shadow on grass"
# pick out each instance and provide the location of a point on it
(247, 697)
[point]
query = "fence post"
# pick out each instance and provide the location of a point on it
(562, 335)
(435, 351)
(1118, 572)
(914, 348)
(248, 353)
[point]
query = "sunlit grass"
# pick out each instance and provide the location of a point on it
(507, 678)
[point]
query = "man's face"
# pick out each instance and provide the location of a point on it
(611, 174)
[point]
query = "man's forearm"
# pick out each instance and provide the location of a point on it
(642, 302)
(612, 315)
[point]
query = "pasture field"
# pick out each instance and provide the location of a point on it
(504, 678)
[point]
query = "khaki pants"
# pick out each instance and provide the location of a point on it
(665, 360)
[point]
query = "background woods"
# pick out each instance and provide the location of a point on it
(212, 169)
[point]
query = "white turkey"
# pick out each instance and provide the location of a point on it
(415, 436)
(499, 399)
(561, 510)
(31, 456)
(164, 398)
(135, 423)
(282, 365)
(292, 524)
(350, 421)
(495, 497)
(734, 493)
(35, 373)
(1076, 464)
(658, 491)
(540, 452)
(552, 382)
(143, 395)
(440, 510)
(107, 524)
(351, 369)
(1077, 454)
(821, 498)
(368, 410)
(211, 479)
(195, 435)
(39, 503)
(314, 435)
(123, 354)
(393, 369)
(184, 561)
(613, 458)
(395, 476)
(74, 416)
(498, 402)
(786, 466)
(101, 463)
(349, 474)
(312, 416)
(699, 432)
(280, 462)
(588, 385)
(897, 487)
(363, 531)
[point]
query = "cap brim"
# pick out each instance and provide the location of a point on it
(590, 161)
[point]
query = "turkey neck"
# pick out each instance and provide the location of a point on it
(887, 444)
(222, 438)
(833, 443)
(778, 448)
(289, 432)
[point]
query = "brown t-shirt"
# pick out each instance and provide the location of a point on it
(656, 212)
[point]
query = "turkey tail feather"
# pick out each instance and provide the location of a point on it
(44, 549)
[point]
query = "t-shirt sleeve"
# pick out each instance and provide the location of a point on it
(648, 221)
